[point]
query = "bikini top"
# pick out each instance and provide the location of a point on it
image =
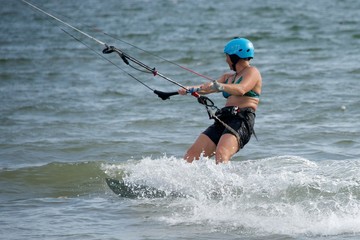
(250, 93)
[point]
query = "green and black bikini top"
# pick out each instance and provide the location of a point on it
(250, 93)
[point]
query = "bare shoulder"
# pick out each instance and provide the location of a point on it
(254, 69)
(253, 72)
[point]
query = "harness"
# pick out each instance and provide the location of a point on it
(234, 111)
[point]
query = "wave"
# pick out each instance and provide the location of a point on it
(279, 195)
(52, 180)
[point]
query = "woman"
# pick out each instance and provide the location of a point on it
(242, 89)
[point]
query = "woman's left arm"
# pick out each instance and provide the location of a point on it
(250, 78)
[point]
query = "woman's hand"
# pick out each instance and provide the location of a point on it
(183, 91)
(210, 87)
(206, 87)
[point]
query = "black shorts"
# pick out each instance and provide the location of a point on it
(241, 120)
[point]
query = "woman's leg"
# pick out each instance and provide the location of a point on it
(203, 144)
(226, 148)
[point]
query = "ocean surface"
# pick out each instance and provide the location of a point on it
(69, 119)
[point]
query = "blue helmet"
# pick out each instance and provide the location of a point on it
(241, 47)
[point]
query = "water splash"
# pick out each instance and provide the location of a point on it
(280, 195)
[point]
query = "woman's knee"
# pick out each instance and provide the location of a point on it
(226, 148)
(203, 146)
(191, 155)
(223, 155)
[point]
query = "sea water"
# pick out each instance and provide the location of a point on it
(69, 119)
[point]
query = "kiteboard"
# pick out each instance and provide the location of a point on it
(134, 190)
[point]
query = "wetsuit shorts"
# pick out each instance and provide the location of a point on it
(241, 120)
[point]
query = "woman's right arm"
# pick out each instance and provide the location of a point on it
(205, 88)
